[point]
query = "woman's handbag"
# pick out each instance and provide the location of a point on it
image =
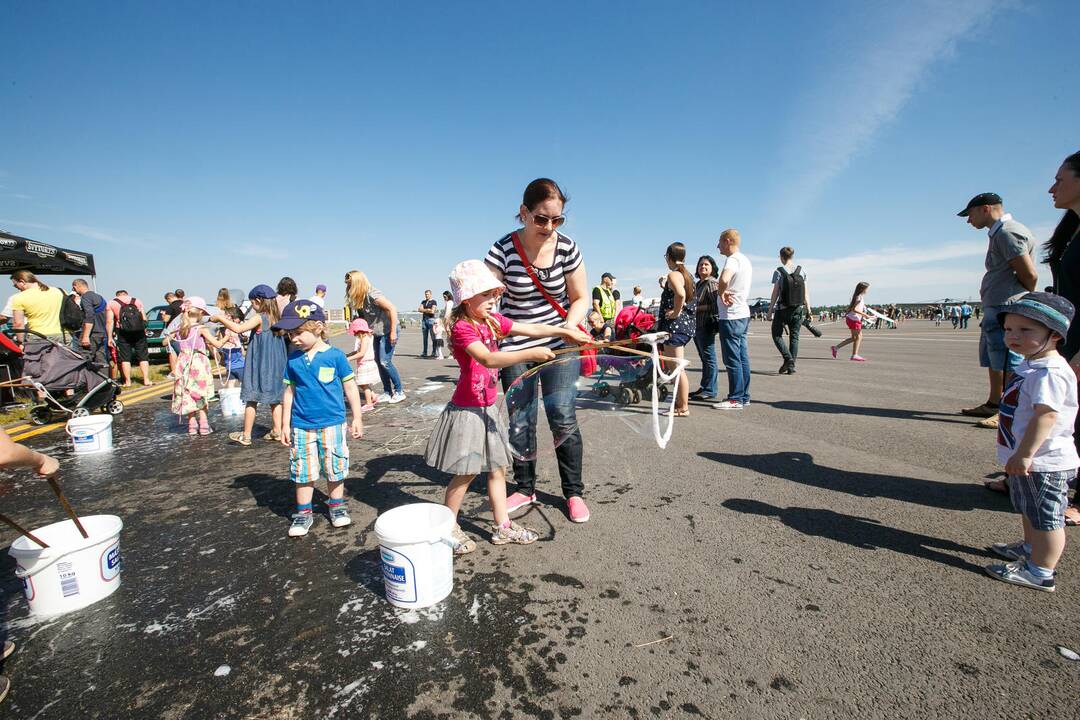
(588, 355)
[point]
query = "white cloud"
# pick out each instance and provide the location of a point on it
(843, 113)
(19, 196)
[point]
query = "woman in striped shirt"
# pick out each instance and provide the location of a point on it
(559, 268)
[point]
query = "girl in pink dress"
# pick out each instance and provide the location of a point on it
(194, 384)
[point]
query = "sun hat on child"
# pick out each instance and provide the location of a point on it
(1053, 311)
(359, 325)
(470, 278)
(195, 303)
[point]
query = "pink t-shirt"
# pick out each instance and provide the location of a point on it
(478, 386)
(114, 307)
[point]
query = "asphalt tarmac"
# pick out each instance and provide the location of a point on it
(817, 554)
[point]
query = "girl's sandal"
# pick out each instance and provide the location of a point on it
(273, 436)
(205, 429)
(192, 427)
(238, 437)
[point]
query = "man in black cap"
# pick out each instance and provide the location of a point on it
(1010, 272)
(605, 298)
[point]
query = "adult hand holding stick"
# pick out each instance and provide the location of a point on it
(13, 455)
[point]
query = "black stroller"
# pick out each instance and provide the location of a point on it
(63, 381)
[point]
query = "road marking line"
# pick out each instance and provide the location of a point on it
(145, 394)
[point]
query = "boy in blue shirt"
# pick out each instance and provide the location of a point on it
(313, 413)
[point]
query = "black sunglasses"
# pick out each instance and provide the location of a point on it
(543, 220)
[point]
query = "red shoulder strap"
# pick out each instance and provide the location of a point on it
(532, 274)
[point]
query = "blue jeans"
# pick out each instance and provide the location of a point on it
(706, 348)
(557, 386)
(427, 328)
(384, 359)
(736, 357)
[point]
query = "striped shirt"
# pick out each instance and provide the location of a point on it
(522, 302)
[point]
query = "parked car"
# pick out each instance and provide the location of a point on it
(155, 325)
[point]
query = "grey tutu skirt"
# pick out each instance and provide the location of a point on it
(469, 440)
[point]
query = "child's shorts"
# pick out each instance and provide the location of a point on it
(853, 324)
(324, 451)
(1042, 497)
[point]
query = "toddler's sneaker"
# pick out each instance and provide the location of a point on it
(301, 523)
(1010, 551)
(517, 500)
(339, 516)
(728, 405)
(1017, 573)
(513, 534)
(465, 544)
(396, 398)
(367, 408)
(833, 348)
(858, 358)
(579, 511)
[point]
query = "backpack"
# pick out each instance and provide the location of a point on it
(793, 290)
(130, 320)
(71, 314)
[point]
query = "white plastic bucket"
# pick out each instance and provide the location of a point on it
(416, 547)
(73, 571)
(230, 402)
(91, 434)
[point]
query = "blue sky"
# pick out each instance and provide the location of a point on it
(227, 144)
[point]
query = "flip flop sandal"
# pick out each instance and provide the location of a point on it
(272, 436)
(237, 437)
(1072, 521)
(999, 486)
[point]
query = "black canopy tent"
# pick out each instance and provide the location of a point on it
(19, 253)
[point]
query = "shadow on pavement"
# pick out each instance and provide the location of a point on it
(834, 409)
(800, 467)
(270, 492)
(860, 532)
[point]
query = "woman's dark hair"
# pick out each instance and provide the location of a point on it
(1069, 224)
(786, 253)
(676, 252)
(287, 286)
(859, 290)
(447, 295)
(542, 189)
(715, 270)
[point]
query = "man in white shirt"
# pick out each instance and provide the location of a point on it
(733, 313)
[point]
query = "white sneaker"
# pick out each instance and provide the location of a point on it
(728, 405)
(383, 398)
(396, 398)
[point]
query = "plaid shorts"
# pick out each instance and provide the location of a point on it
(324, 451)
(1042, 497)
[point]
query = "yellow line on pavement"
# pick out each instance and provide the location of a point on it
(127, 399)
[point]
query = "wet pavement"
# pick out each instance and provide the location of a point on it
(817, 555)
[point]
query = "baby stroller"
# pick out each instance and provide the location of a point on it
(632, 371)
(64, 382)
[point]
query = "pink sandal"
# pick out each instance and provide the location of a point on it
(193, 427)
(205, 429)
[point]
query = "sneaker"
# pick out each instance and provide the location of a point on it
(513, 534)
(1017, 573)
(383, 398)
(858, 358)
(980, 411)
(339, 516)
(301, 523)
(396, 398)
(579, 511)
(833, 348)
(783, 369)
(517, 500)
(728, 405)
(239, 437)
(1010, 551)
(465, 544)
(791, 368)
(367, 408)
(990, 423)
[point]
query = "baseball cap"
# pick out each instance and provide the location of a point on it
(607, 275)
(320, 288)
(299, 312)
(980, 199)
(1053, 311)
(262, 292)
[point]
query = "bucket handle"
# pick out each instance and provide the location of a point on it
(448, 540)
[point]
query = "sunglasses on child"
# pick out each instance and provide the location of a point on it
(544, 220)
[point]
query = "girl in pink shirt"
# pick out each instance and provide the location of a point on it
(471, 435)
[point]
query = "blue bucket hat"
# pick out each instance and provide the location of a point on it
(299, 312)
(1053, 311)
(262, 292)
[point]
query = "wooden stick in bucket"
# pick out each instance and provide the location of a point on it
(67, 506)
(20, 529)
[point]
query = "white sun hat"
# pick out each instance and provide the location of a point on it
(470, 278)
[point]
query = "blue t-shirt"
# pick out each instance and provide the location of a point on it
(318, 388)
